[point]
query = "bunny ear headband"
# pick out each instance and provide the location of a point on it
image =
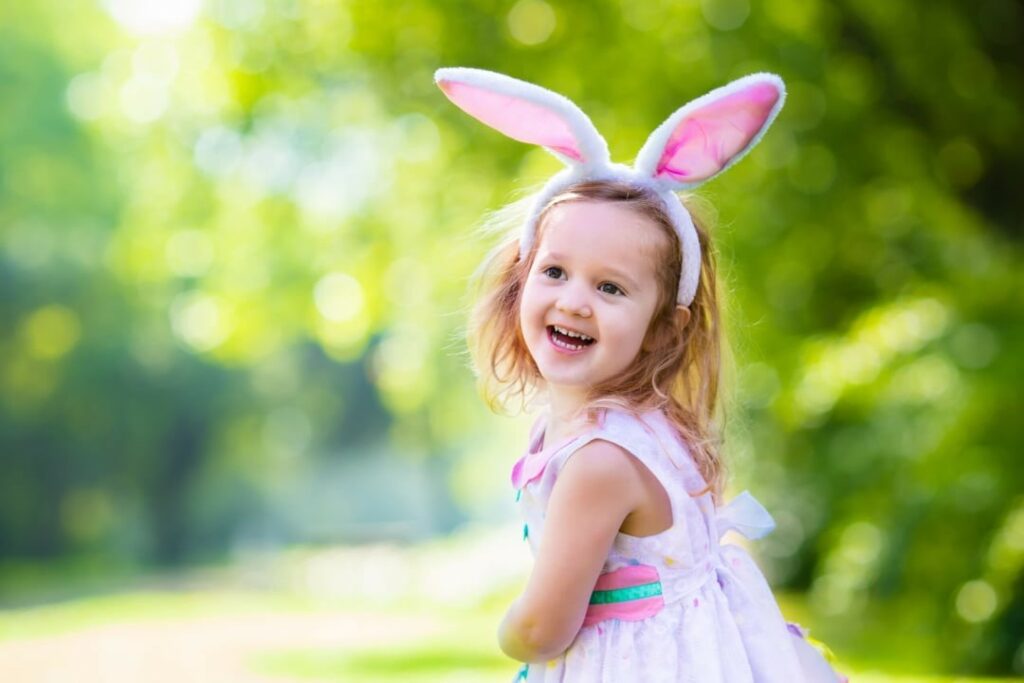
(696, 143)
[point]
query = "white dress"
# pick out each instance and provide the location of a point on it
(677, 606)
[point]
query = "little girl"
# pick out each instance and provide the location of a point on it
(606, 305)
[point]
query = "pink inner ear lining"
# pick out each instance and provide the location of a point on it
(517, 118)
(705, 140)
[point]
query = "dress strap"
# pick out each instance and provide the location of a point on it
(647, 443)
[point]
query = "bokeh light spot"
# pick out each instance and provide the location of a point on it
(961, 162)
(200, 320)
(861, 543)
(971, 74)
(50, 332)
(218, 150)
(353, 171)
(725, 15)
(976, 601)
(84, 96)
(189, 253)
(143, 99)
(156, 59)
(237, 14)
(974, 345)
(343, 342)
(1014, 530)
(400, 370)
(926, 380)
(875, 340)
(143, 17)
(888, 207)
(338, 297)
(531, 22)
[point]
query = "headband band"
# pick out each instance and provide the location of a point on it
(696, 143)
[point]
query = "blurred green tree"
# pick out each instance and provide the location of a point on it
(234, 246)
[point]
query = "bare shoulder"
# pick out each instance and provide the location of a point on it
(603, 469)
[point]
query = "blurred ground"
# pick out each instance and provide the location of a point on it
(214, 648)
(371, 614)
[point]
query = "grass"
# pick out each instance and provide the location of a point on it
(436, 660)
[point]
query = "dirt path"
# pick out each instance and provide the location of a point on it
(208, 649)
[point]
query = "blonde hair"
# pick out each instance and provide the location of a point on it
(677, 370)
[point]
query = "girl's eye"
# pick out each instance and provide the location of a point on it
(616, 289)
(558, 271)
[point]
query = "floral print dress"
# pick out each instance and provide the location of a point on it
(677, 606)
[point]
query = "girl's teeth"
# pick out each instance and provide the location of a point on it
(572, 347)
(571, 334)
(561, 343)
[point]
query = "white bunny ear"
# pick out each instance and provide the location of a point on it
(526, 112)
(711, 133)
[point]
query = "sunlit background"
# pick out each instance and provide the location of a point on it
(239, 436)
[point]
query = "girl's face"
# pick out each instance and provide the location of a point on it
(593, 275)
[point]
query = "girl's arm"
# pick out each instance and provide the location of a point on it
(595, 491)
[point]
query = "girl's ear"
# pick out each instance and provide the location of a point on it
(682, 316)
(526, 112)
(711, 133)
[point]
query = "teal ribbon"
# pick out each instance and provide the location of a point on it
(523, 673)
(647, 590)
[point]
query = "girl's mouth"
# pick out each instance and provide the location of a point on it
(567, 343)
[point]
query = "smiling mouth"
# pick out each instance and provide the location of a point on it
(568, 341)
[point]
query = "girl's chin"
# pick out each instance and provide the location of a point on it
(556, 379)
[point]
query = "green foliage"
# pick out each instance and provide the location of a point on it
(234, 250)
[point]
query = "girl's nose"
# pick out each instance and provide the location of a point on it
(574, 302)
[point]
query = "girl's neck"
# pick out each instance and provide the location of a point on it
(564, 415)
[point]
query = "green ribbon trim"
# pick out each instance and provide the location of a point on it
(647, 590)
